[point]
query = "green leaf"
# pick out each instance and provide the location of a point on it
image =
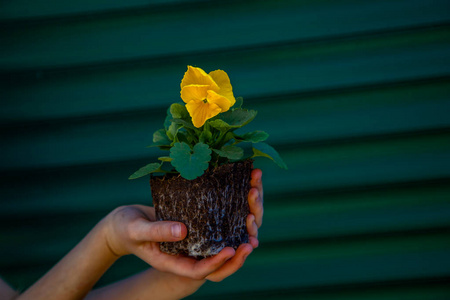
(228, 137)
(160, 138)
(190, 163)
(239, 103)
(206, 136)
(220, 125)
(183, 137)
(264, 150)
(231, 152)
(164, 148)
(150, 168)
(167, 121)
(223, 140)
(173, 130)
(179, 111)
(238, 117)
(185, 124)
(254, 136)
(165, 158)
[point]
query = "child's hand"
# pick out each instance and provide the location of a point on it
(134, 230)
(255, 201)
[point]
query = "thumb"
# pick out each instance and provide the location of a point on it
(161, 231)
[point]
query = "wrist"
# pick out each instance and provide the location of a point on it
(107, 236)
(178, 286)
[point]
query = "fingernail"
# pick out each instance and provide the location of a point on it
(176, 230)
(252, 218)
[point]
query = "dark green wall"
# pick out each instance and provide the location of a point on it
(355, 95)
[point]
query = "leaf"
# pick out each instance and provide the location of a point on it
(220, 142)
(183, 137)
(254, 136)
(190, 163)
(165, 158)
(164, 148)
(206, 136)
(220, 125)
(185, 124)
(231, 152)
(238, 117)
(264, 150)
(179, 111)
(150, 168)
(239, 103)
(228, 137)
(167, 121)
(173, 130)
(160, 138)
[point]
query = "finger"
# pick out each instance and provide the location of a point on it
(252, 228)
(148, 211)
(256, 206)
(143, 230)
(232, 265)
(253, 241)
(190, 267)
(211, 264)
(256, 181)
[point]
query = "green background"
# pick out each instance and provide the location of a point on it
(354, 94)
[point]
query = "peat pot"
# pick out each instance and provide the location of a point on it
(214, 208)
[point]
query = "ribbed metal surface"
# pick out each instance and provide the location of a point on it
(355, 95)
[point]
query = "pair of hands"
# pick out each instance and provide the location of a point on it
(134, 230)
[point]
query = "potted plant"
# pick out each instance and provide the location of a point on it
(206, 175)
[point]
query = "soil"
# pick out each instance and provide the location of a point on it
(214, 208)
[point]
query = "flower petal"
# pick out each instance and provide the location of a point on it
(197, 76)
(223, 81)
(201, 111)
(194, 92)
(219, 100)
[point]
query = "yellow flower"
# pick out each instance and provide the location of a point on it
(206, 95)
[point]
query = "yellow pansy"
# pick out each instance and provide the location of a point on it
(206, 95)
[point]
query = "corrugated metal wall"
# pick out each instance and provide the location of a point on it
(355, 95)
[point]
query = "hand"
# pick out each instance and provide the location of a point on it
(255, 201)
(134, 230)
